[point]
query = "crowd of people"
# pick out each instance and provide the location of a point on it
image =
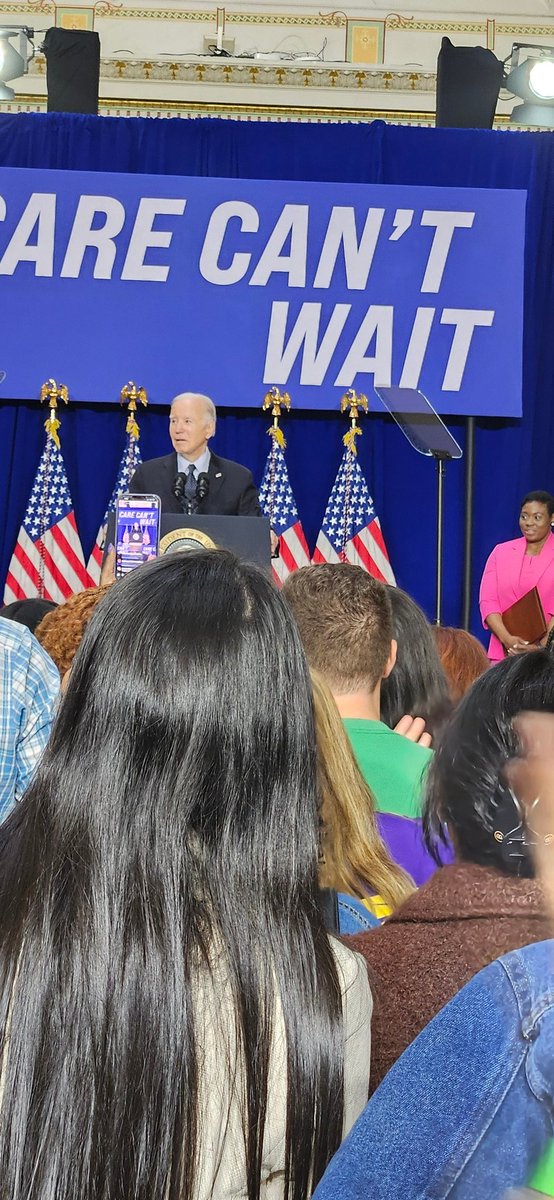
(274, 893)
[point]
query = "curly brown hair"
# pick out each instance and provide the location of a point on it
(61, 631)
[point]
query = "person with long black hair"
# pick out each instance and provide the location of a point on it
(176, 1024)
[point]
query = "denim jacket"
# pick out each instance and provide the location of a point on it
(467, 1110)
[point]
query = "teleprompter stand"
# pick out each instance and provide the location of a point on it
(425, 431)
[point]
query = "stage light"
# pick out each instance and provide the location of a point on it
(14, 63)
(531, 77)
(541, 79)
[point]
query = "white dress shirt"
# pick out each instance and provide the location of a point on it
(200, 464)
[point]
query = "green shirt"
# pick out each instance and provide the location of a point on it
(390, 764)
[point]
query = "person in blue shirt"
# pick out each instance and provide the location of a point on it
(29, 689)
(468, 1110)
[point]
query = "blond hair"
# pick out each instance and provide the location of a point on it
(354, 858)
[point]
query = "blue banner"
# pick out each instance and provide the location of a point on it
(229, 286)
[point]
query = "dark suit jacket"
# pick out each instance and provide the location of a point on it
(232, 492)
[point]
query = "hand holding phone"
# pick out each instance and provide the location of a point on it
(137, 531)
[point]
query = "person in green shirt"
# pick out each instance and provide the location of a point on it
(345, 621)
(391, 764)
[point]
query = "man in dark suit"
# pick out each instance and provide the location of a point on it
(231, 487)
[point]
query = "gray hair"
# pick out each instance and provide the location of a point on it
(211, 412)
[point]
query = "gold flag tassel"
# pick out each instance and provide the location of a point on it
(353, 401)
(52, 392)
(276, 400)
(130, 394)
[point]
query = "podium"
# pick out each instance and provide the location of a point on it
(247, 537)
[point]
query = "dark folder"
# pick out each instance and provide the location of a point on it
(525, 619)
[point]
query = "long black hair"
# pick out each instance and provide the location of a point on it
(171, 829)
(417, 683)
(466, 787)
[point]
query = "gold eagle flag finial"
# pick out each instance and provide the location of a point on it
(130, 395)
(52, 392)
(354, 401)
(276, 400)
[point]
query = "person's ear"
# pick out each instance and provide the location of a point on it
(391, 659)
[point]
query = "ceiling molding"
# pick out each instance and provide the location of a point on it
(114, 107)
(334, 76)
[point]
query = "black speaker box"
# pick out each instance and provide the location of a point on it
(468, 83)
(72, 70)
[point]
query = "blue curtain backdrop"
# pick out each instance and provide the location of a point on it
(511, 457)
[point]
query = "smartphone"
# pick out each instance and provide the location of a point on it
(137, 532)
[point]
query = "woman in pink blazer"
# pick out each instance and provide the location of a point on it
(514, 568)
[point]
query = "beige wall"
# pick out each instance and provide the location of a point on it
(153, 54)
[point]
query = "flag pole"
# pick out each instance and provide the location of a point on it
(50, 392)
(275, 400)
(353, 401)
(132, 396)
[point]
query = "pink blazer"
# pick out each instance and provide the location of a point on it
(504, 582)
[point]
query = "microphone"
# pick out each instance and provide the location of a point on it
(202, 487)
(178, 489)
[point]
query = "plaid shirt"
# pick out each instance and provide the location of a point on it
(29, 688)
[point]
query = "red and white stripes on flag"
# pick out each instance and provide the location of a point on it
(278, 503)
(48, 558)
(351, 531)
(131, 459)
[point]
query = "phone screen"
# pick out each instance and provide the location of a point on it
(137, 532)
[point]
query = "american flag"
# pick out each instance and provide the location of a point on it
(48, 558)
(278, 503)
(130, 461)
(351, 531)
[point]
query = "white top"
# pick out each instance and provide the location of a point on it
(221, 1171)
